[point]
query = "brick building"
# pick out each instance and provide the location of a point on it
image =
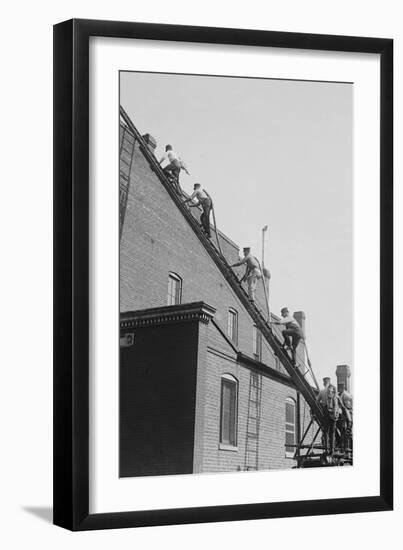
(200, 389)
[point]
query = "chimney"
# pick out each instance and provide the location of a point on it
(150, 142)
(343, 373)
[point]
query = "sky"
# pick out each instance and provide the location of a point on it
(275, 152)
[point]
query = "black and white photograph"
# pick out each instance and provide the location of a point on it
(236, 274)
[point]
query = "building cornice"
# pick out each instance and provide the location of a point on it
(195, 311)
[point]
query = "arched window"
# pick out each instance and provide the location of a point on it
(229, 410)
(232, 328)
(174, 289)
(290, 429)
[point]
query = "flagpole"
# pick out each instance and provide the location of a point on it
(264, 229)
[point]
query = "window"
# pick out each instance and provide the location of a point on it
(229, 406)
(232, 330)
(290, 427)
(257, 343)
(174, 289)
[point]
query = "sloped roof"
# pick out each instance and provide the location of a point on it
(219, 259)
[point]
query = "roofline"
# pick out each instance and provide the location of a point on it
(239, 292)
(221, 234)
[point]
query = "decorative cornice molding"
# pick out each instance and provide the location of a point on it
(195, 311)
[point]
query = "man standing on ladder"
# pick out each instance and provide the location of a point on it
(252, 273)
(292, 333)
(175, 164)
(204, 200)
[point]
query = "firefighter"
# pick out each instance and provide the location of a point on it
(292, 333)
(175, 164)
(346, 418)
(204, 200)
(252, 273)
(329, 401)
(321, 397)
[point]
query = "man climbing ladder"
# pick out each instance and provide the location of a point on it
(252, 273)
(292, 333)
(204, 200)
(175, 165)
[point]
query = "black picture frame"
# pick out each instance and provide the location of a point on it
(71, 273)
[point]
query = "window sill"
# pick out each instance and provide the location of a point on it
(291, 456)
(224, 447)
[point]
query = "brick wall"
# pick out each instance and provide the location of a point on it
(271, 450)
(222, 359)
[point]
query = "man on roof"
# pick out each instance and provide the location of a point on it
(175, 165)
(204, 200)
(252, 273)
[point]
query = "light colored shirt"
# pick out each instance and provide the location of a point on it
(170, 155)
(250, 261)
(347, 399)
(198, 194)
(322, 396)
(289, 320)
(328, 393)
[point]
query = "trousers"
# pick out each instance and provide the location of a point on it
(205, 216)
(174, 168)
(252, 280)
(292, 337)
